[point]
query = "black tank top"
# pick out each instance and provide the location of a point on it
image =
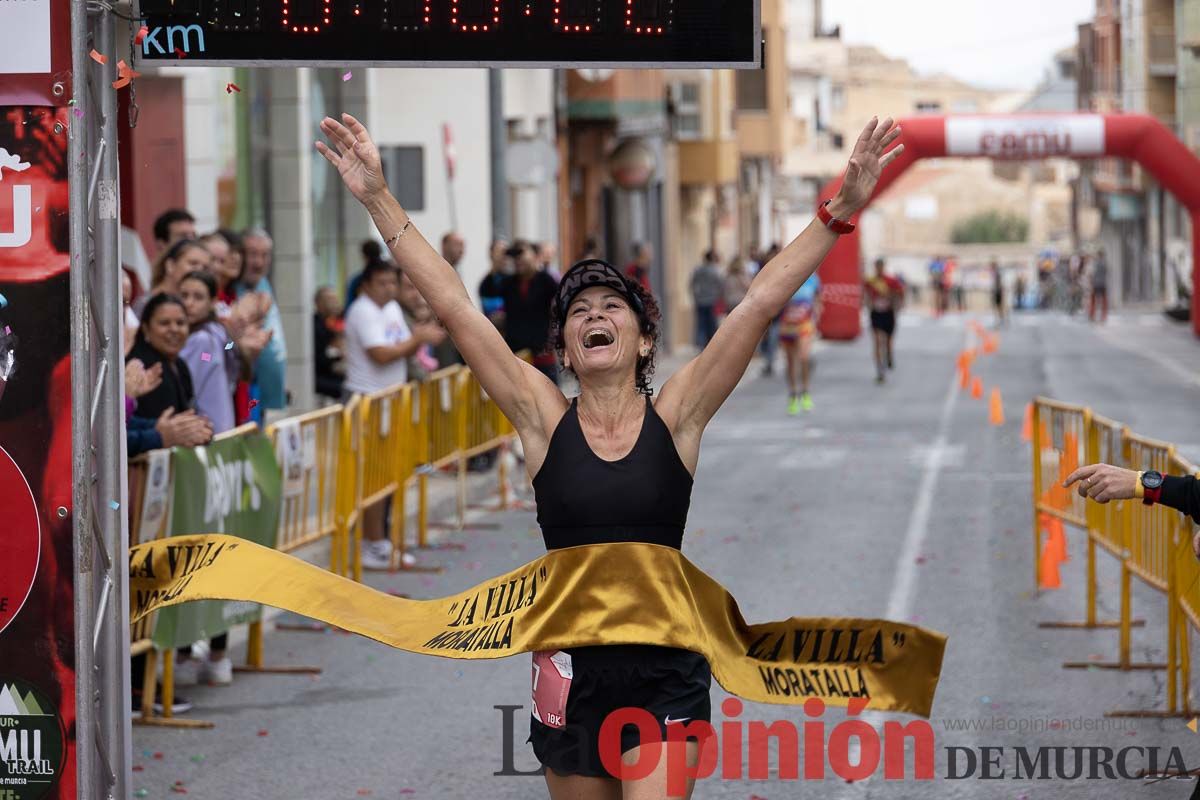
(643, 497)
(583, 499)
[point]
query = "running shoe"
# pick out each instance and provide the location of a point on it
(180, 705)
(377, 554)
(188, 671)
(219, 673)
(879, 378)
(793, 406)
(806, 401)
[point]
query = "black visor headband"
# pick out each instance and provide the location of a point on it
(594, 272)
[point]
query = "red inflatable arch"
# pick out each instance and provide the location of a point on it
(1023, 137)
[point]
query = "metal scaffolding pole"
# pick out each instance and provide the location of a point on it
(102, 731)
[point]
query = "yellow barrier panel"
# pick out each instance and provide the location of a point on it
(444, 423)
(349, 493)
(1150, 543)
(1187, 575)
(1105, 524)
(1150, 538)
(141, 633)
(1059, 431)
(387, 444)
(310, 515)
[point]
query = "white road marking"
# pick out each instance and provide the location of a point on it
(918, 522)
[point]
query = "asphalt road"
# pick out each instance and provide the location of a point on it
(897, 500)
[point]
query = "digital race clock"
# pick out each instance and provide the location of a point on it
(511, 33)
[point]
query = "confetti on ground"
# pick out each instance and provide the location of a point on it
(141, 793)
(408, 791)
(230, 88)
(364, 792)
(985, 699)
(206, 357)
(147, 753)
(920, 559)
(178, 789)
(198, 759)
(142, 33)
(229, 345)
(138, 768)
(99, 58)
(458, 673)
(263, 732)
(158, 756)
(347, 76)
(114, 505)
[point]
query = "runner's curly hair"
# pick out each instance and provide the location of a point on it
(649, 319)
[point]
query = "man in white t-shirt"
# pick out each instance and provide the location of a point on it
(378, 343)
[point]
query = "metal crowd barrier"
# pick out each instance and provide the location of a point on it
(1150, 543)
(353, 457)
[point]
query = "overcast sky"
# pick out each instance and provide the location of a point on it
(1000, 45)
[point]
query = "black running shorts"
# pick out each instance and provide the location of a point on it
(672, 685)
(884, 321)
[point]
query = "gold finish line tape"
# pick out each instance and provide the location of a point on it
(602, 594)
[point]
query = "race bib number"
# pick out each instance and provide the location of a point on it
(552, 674)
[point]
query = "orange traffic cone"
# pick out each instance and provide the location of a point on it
(977, 387)
(964, 378)
(1070, 457)
(1027, 423)
(1060, 538)
(1049, 577)
(996, 414)
(989, 344)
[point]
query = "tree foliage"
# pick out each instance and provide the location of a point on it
(989, 227)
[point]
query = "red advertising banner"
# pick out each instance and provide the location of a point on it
(35, 52)
(37, 630)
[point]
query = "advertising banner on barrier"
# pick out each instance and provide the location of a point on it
(37, 624)
(232, 486)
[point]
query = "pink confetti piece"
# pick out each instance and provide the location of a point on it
(79, 113)
(253, 403)
(99, 58)
(262, 732)
(206, 357)
(230, 88)
(142, 33)
(348, 75)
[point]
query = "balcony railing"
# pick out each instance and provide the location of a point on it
(1163, 55)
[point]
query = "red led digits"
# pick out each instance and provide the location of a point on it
(576, 16)
(475, 15)
(406, 15)
(307, 16)
(648, 16)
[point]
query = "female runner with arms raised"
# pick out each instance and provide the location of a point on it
(610, 442)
